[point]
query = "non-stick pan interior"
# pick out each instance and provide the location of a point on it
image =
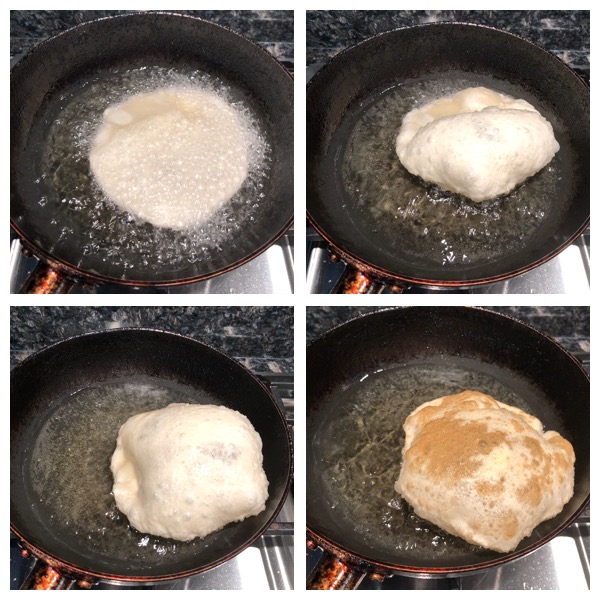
(362, 199)
(67, 404)
(365, 377)
(55, 203)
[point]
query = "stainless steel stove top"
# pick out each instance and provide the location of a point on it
(562, 564)
(268, 564)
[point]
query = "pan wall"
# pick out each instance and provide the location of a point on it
(564, 33)
(271, 29)
(568, 325)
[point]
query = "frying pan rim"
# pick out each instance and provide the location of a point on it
(135, 15)
(358, 262)
(362, 264)
(331, 62)
(466, 308)
(356, 558)
(78, 274)
(70, 270)
(75, 570)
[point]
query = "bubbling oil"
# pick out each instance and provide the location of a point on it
(417, 217)
(71, 479)
(76, 205)
(358, 454)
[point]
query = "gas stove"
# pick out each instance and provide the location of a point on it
(569, 272)
(268, 564)
(561, 564)
(272, 272)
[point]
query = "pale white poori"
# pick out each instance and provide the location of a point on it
(188, 470)
(478, 142)
(172, 157)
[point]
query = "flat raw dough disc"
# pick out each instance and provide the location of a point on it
(172, 157)
(187, 470)
(483, 470)
(478, 143)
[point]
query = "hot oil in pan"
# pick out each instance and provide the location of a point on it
(357, 449)
(71, 478)
(412, 217)
(75, 204)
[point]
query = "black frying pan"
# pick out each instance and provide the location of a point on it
(363, 207)
(364, 378)
(55, 74)
(67, 404)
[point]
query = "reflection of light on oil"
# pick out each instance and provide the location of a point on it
(449, 256)
(365, 376)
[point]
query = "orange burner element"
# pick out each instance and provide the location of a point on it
(356, 283)
(47, 579)
(46, 280)
(334, 574)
